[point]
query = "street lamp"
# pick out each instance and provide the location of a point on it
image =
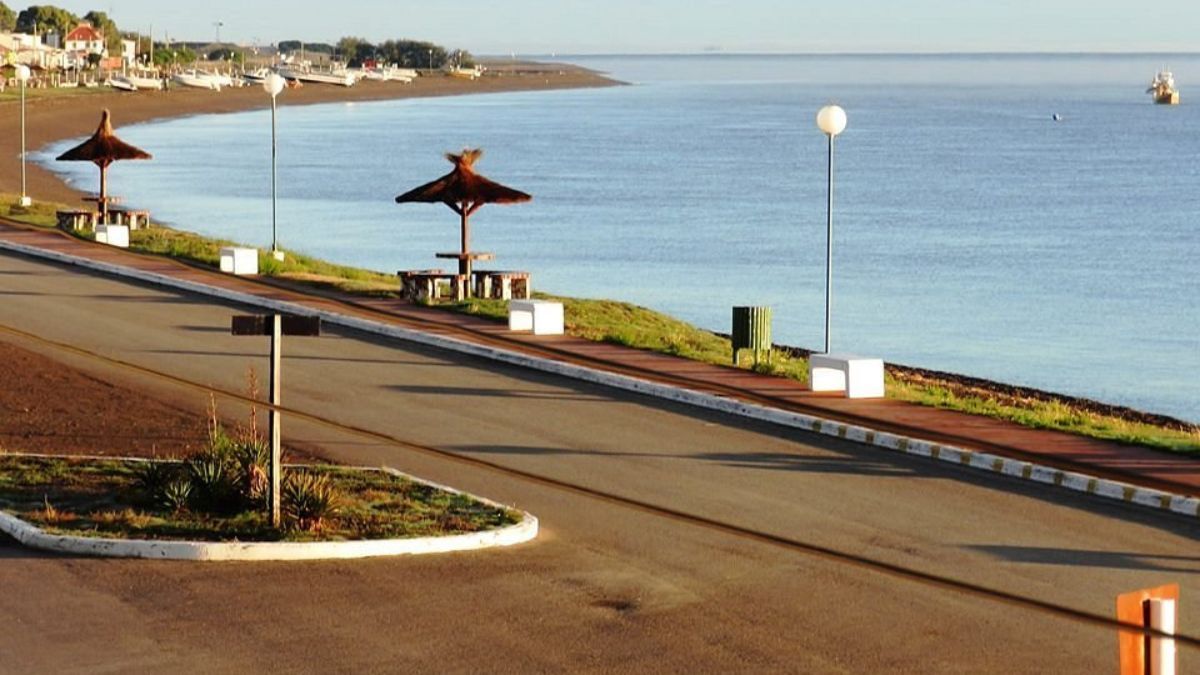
(22, 73)
(273, 84)
(832, 121)
(430, 61)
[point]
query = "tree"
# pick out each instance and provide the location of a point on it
(347, 49)
(112, 36)
(169, 55)
(42, 19)
(289, 46)
(8, 18)
(222, 54)
(413, 54)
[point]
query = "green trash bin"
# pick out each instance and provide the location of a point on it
(751, 330)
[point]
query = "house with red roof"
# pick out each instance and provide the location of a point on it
(85, 39)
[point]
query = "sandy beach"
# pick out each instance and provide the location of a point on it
(54, 118)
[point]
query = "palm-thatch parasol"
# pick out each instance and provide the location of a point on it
(464, 191)
(102, 149)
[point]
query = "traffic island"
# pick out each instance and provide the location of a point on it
(139, 508)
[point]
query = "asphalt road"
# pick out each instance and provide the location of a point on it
(608, 586)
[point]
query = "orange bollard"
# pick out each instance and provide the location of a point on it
(1135, 647)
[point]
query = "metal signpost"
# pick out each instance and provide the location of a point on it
(276, 325)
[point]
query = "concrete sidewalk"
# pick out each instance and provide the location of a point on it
(1136, 466)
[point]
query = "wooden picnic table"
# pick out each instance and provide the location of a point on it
(426, 285)
(501, 284)
(77, 219)
(134, 218)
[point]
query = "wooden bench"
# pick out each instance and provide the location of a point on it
(501, 284)
(543, 317)
(77, 219)
(425, 285)
(134, 218)
(859, 377)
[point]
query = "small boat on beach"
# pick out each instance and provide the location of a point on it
(257, 76)
(403, 75)
(196, 78)
(466, 73)
(145, 80)
(340, 78)
(121, 83)
(1162, 88)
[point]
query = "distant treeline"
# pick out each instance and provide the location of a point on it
(407, 53)
(44, 19)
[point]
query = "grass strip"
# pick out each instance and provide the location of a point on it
(641, 328)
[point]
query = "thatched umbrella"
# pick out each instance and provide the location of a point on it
(102, 149)
(464, 191)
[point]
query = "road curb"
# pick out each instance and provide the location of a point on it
(1079, 482)
(204, 551)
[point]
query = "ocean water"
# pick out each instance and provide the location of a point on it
(972, 232)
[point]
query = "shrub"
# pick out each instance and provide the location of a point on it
(214, 485)
(308, 499)
(252, 459)
(175, 495)
(152, 478)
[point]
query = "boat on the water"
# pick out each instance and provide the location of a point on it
(1163, 89)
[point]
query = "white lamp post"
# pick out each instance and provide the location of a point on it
(832, 120)
(23, 77)
(273, 84)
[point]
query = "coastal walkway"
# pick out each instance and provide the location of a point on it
(1138, 466)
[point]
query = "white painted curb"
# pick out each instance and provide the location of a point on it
(35, 537)
(1109, 489)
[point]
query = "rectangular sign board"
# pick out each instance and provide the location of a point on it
(255, 324)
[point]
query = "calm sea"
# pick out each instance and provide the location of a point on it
(973, 233)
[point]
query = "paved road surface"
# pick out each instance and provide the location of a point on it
(607, 586)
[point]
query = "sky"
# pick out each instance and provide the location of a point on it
(681, 26)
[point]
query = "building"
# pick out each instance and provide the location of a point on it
(129, 53)
(29, 50)
(86, 39)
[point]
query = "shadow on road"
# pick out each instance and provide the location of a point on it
(506, 393)
(1076, 557)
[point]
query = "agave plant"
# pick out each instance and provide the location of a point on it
(175, 495)
(214, 486)
(308, 499)
(152, 477)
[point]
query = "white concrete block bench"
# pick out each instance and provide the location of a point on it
(113, 235)
(858, 376)
(236, 260)
(543, 317)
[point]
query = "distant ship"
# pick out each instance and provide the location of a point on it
(1162, 88)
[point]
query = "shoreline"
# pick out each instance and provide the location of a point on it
(54, 118)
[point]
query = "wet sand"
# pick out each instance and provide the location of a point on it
(54, 118)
